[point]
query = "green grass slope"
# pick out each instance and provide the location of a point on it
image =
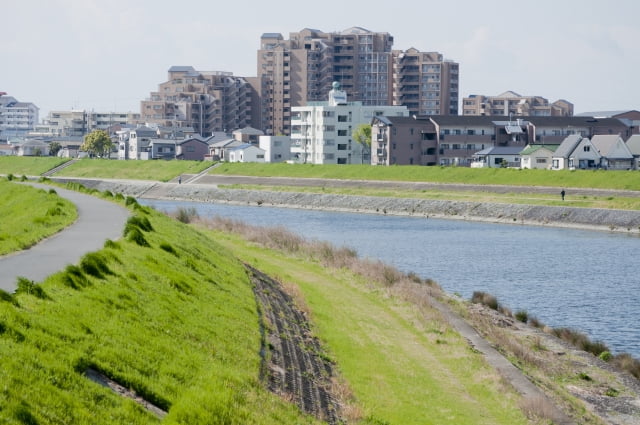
(628, 180)
(136, 170)
(28, 165)
(402, 363)
(165, 312)
(28, 215)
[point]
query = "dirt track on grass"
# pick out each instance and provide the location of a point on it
(293, 365)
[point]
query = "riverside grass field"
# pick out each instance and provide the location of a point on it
(168, 311)
(168, 170)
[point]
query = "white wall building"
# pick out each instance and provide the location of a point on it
(246, 153)
(321, 131)
(16, 118)
(276, 148)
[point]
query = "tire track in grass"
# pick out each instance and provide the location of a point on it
(294, 364)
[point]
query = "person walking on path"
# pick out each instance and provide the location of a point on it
(98, 220)
(562, 194)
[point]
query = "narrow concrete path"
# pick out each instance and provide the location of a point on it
(98, 220)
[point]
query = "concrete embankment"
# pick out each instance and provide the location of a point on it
(588, 218)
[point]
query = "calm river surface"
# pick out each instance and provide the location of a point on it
(585, 280)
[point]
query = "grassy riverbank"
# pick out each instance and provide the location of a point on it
(29, 215)
(169, 312)
(625, 180)
(152, 312)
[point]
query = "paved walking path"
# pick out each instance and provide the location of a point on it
(98, 220)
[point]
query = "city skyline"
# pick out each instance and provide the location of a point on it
(67, 54)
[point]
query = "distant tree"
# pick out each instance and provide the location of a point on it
(362, 135)
(54, 148)
(97, 143)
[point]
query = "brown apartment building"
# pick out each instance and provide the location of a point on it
(425, 82)
(453, 140)
(301, 69)
(206, 101)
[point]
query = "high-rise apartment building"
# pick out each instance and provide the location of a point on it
(511, 103)
(425, 82)
(206, 101)
(301, 69)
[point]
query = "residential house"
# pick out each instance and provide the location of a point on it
(159, 149)
(192, 148)
(585, 156)
(615, 153)
(562, 158)
(497, 157)
(276, 148)
(633, 144)
(218, 150)
(132, 142)
(6, 149)
(246, 153)
(537, 156)
(247, 135)
(33, 148)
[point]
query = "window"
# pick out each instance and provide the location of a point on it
(541, 160)
(411, 146)
(393, 146)
(498, 161)
(260, 156)
(586, 148)
(191, 148)
(342, 133)
(342, 147)
(342, 118)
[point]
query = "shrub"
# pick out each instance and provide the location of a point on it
(168, 248)
(74, 277)
(136, 236)
(23, 178)
(111, 244)
(52, 191)
(26, 286)
(488, 300)
(522, 316)
(626, 362)
(186, 215)
(130, 200)
(119, 196)
(138, 222)
(107, 194)
(94, 265)
(7, 297)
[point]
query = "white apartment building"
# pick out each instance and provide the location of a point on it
(321, 131)
(16, 118)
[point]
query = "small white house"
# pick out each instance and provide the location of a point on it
(497, 157)
(537, 156)
(246, 153)
(277, 148)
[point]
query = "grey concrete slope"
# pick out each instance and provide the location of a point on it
(98, 220)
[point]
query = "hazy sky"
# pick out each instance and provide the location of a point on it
(108, 55)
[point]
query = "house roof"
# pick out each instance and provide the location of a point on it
(500, 150)
(633, 143)
(249, 130)
(178, 68)
(192, 139)
(244, 146)
(225, 143)
(567, 146)
(606, 145)
(534, 148)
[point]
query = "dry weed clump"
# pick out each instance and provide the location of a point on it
(349, 410)
(539, 408)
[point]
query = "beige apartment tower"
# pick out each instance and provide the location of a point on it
(425, 82)
(301, 69)
(207, 101)
(511, 103)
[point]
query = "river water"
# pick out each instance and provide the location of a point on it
(585, 280)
